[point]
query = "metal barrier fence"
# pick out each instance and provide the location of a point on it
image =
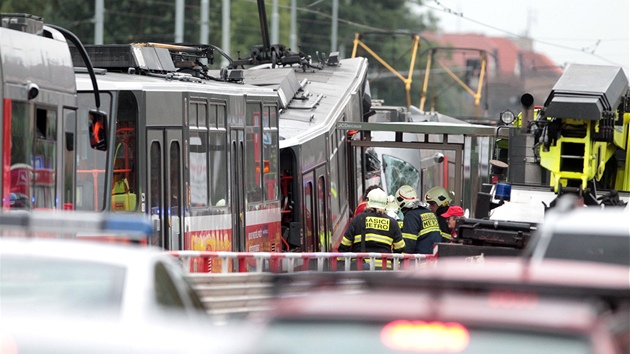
(241, 284)
(241, 262)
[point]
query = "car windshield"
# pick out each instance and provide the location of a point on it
(296, 337)
(613, 249)
(29, 285)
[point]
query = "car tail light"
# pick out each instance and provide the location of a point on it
(512, 299)
(423, 336)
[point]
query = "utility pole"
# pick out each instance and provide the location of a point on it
(225, 31)
(205, 17)
(179, 21)
(333, 32)
(99, 8)
(275, 23)
(293, 35)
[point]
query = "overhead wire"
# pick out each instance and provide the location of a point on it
(445, 9)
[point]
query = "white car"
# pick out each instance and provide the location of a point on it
(91, 280)
(583, 234)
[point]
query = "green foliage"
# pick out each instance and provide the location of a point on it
(129, 21)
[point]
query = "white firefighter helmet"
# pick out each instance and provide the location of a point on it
(377, 198)
(439, 195)
(406, 196)
(392, 207)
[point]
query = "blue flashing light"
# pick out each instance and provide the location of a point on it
(503, 191)
(130, 225)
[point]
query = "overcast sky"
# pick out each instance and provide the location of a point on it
(567, 31)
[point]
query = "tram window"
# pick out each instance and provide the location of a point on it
(308, 215)
(212, 116)
(359, 182)
(202, 114)
(155, 175)
(334, 189)
(123, 196)
(44, 160)
(265, 121)
(198, 169)
(91, 163)
(124, 189)
(399, 172)
(221, 116)
(70, 126)
(33, 158)
(270, 157)
(21, 150)
(322, 245)
(253, 153)
(218, 170)
(175, 165)
(192, 114)
(342, 176)
(273, 117)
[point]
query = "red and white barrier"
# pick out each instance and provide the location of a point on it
(229, 262)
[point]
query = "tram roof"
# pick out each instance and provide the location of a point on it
(323, 95)
(448, 128)
(27, 57)
(113, 81)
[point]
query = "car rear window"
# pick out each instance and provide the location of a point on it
(34, 286)
(312, 336)
(612, 249)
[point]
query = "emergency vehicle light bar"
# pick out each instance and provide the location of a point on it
(75, 222)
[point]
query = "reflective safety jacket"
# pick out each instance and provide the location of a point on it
(420, 230)
(381, 234)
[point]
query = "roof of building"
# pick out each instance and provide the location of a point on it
(512, 56)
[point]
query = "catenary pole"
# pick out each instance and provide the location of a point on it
(99, 9)
(179, 21)
(204, 32)
(293, 29)
(275, 23)
(225, 31)
(333, 32)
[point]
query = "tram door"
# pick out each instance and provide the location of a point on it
(165, 187)
(238, 188)
(315, 213)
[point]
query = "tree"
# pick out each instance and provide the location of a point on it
(129, 21)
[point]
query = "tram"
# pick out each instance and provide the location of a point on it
(314, 156)
(39, 114)
(233, 159)
(252, 165)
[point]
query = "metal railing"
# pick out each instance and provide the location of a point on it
(236, 284)
(240, 262)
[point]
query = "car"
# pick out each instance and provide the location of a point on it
(44, 334)
(87, 279)
(586, 234)
(507, 306)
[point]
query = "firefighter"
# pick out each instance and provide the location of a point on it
(420, 225)
(452, 215)
(123, 199)
(439, 199)
(373, 230)
(361, 207)
(393, 209)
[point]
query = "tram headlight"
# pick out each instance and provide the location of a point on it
(32, 90)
